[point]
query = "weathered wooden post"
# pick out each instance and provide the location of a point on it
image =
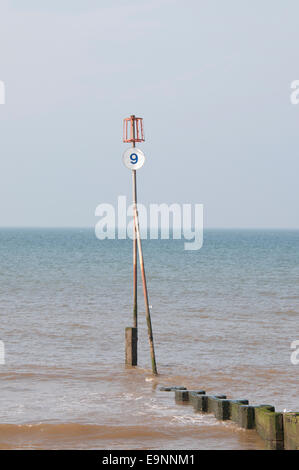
(133, 159)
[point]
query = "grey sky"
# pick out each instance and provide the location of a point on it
(210, 78)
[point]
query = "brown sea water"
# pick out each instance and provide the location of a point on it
(224, 318)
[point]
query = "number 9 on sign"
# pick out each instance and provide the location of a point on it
(133, 158)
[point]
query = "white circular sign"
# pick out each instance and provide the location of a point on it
(133, 158)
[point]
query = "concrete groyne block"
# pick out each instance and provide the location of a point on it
(200, 403)
(186, 395)
(222, 409)
(205, 403)
(193, 394)
(235, 409)
(269, 425)
(291, 431)
(246, 417)
(181, 396)
(212, 402)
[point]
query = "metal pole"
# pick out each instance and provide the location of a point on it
(135, 321)
(145, 293)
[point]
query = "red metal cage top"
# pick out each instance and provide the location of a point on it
(133, 129)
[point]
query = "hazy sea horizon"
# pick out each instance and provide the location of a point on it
(223, 317)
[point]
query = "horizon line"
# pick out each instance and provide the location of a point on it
(89, 227)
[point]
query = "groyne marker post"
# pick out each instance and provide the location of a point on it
(135, 319)
(133, 159)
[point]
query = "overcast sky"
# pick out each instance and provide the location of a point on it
(210, 78)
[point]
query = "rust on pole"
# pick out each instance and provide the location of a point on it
(145, 293)
(135, 315)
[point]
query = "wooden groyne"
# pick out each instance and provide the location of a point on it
(278, 430)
